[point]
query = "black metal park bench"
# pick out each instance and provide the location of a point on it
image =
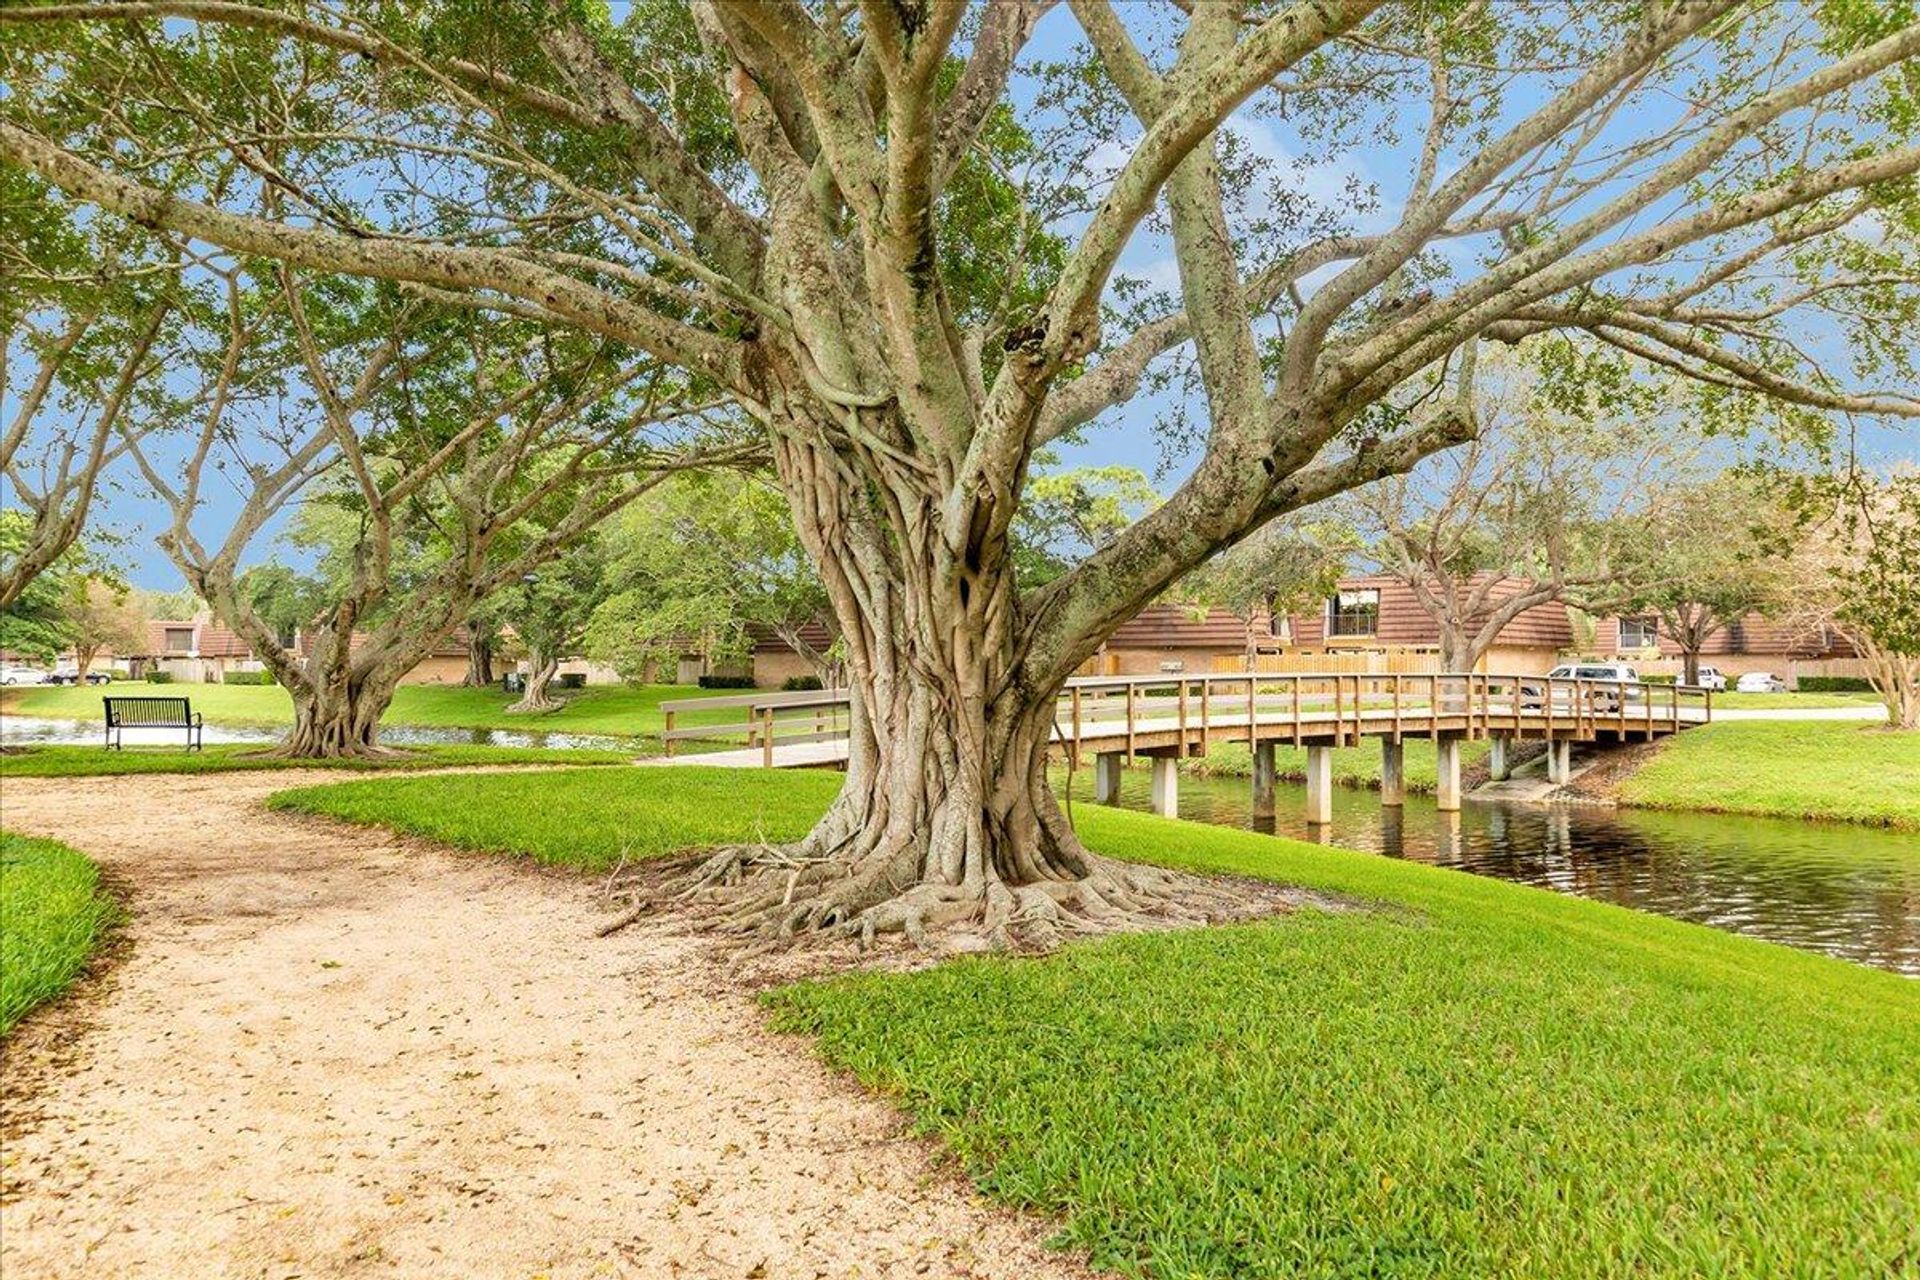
(151, 713)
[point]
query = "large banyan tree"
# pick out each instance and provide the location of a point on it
(892, 232)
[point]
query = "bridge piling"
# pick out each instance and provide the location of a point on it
(1446, 753)
(1106, 776)
(1559, 761)
(1393, 773)
(1263, 779)
(1500, 758)
(1166, 786)
(1320, 785)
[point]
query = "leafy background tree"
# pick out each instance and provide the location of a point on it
(1289, 567)
(97, 616)
(1857, 561)
(549, 609)
(1710, 557)
(709, 564)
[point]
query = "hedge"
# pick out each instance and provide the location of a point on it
(726, 682)
(247, 677)
(1835, 684)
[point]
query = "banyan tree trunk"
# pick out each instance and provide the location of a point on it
(336, 723)
(945, 819)
(536, 697)
(479, 661)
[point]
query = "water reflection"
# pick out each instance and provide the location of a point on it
(1848, 891)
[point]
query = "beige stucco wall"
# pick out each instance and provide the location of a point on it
(773, 667)
(437, 670)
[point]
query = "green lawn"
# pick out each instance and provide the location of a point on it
(1352, 766)
(52, 913)
(1471, 1079)
(1803, 701)
(86, 762)
(630, 710)
(1786, 768)
(583, 818)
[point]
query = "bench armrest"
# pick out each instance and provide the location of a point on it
(196, 719)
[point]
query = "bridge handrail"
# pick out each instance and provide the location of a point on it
(1482, 703)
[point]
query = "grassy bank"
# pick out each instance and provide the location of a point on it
(1801, 701)
(1472, 1079)
(1835, 770)
(91, 762)
(1352, 766)
(625, 710)
(582, 818)
(52, 914)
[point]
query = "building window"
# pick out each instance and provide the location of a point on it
(1353, 613)
(179, 639)
(1639, 633)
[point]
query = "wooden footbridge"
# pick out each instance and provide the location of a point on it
(1167, 718)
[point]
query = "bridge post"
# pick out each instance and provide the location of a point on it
(1106, 776)
(1559, 761)
(1393, 773)
(1320, 785)
(1446, 752)
(1500, 757)
(1166, 786)
(1263, 774)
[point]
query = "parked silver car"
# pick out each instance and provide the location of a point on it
(1710, 678)
(21, 673)
(1761, 682)
(1601, 693)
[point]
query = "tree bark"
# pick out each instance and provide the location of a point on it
(535, 698)
(1690, 667)
(945, 820)
(1458, 650)
(341, 722)
(339, 691)
(479, 660)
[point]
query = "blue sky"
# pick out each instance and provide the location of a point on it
(1126, 436)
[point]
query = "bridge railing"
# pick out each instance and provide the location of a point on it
(767, 720)
(1115, 711)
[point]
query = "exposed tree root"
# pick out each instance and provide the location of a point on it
(286, 751)
(771, 896)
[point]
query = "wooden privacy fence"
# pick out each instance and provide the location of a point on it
(1183, 715)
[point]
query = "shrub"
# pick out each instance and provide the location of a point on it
(800, 684)
(1659, 679)
(573, 680)
(1835, 684)
(246, 677)
(159, 677)
(726, 682)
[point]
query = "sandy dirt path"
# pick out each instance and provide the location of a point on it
(323, 1054)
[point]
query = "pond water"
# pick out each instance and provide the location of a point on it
(1846, 890)
(49, 732)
